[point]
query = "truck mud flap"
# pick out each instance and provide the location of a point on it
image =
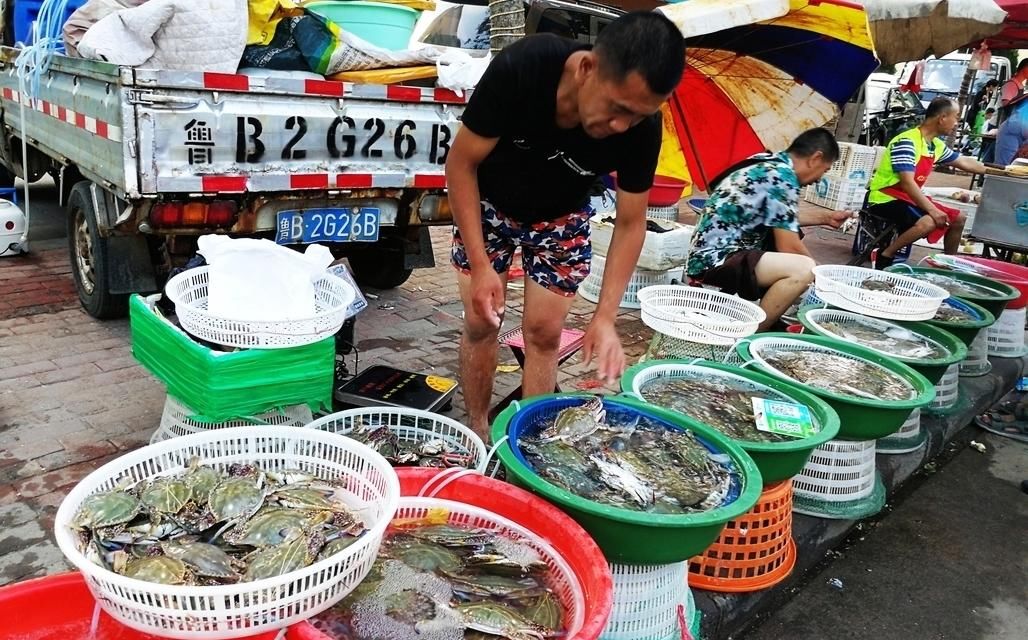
(423, 257)
(130, 268)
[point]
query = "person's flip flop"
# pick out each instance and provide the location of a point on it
(1002, 421)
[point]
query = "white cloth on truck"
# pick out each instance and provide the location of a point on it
(178, 35)
(458, 71)
(86, 16)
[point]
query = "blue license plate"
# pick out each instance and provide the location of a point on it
(302, 226)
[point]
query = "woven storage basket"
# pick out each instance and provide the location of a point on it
(1006, 337)
(755, 551)
(188, 290)
(699, 315)
(977, 361)
(910, 437)
(641, 278)
(908, 299)
(647, 600)
(177, 420)
(366, 483)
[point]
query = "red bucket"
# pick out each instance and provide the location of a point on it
(533, 513)
(60, 607)
(665, 191)
(1013, 274)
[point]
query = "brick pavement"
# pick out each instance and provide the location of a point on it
(72, 397)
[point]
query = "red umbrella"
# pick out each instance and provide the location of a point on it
(1015, 28)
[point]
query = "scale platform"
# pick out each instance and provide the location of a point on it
(381, 385)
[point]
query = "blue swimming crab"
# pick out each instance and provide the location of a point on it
(574, 423)
(499, 620)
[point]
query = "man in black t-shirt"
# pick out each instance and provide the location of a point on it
(548, 118)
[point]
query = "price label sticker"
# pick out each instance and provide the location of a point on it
(783, 418)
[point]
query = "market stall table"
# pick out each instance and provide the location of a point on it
(1001, 222)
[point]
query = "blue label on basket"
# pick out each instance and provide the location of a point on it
(783, 418)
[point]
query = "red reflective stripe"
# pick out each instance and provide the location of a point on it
(62, 113)
(80, 121)
(226, 81)
(309, 181)
(446, 95)
(8, 94)
(323, 88)
(405, 94)
(101, 128)
(224, 184)
(354, 180)
(429, 181)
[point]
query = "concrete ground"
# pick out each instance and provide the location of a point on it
(72, 397)
(950, 560)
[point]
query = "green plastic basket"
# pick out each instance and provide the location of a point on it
(994, 304)
(966, 332)
(933, 369)
(777, 461)
(384, 25)
(222, 386)
(624, 535)
(860, 418)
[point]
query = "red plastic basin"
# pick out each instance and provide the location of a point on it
(664, 192)
(60, 607)
(533, 513)
(1013, 274)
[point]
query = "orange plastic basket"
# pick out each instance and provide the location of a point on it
(754, 552)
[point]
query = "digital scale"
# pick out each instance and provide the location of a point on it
(382, 385)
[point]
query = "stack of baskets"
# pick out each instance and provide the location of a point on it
(660, 261)
(756, 550)
(647, 552)
(844, 186)
(694, 322)
(222, 373)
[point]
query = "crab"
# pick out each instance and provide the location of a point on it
(426, 556)
(159, 569)
(486, 586)
(574, 423)
(204, 560)
(202, 480)
(166, 496)
(314, 496)
(297, 552)
(271, 526)
(499, 564)
(336, 545)
(236, 498)
(106, 509)
(450, 536)
(545, 611)
(499, 620)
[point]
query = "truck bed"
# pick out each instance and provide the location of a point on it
(147, 132)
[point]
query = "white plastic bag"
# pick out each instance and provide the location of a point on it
(258, 280)
(458, 71)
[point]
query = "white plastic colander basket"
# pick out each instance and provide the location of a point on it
(176, 420)
(908, 299)
(564, 582)
(977, 361)
(188, 291)
(838, 471)
(641, 278)
(699, 315)
(410, 426)
(1006, 336)
(663, 213)
(367, 484)
(818, 318)
(908, 438)
(947, 390)
(646, 601)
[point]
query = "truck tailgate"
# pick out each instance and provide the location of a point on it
(206, 132)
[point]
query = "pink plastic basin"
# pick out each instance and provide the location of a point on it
(1013, 274)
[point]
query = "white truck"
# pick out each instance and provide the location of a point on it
(147, 160)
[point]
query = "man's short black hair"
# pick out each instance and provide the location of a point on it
(813, 140)
(645, 42)
(940, 105)
(1022, 65)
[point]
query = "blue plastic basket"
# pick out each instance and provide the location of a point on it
(26, 11)
(957, 303)
(528, 421)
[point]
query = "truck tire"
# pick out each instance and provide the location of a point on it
(89, 258)
(378, 273)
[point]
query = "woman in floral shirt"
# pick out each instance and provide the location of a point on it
(757, 206)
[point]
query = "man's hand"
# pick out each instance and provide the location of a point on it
(601, 340)
(941, 219)
(487, 295)
(835, 219)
